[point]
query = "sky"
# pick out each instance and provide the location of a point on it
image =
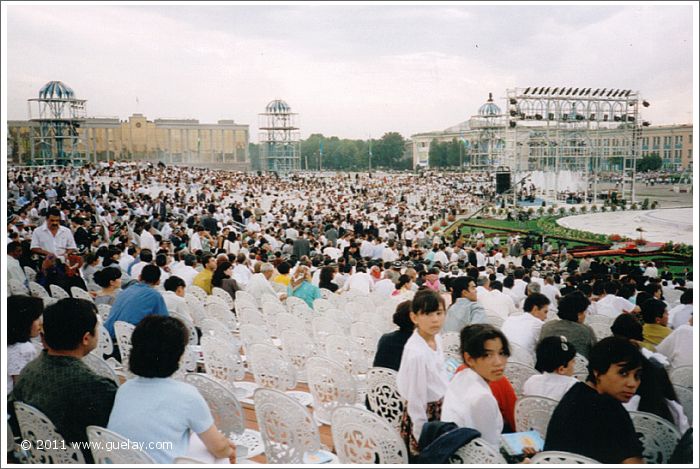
(352, 70)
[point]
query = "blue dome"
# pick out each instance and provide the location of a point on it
(278, 107)
(56, 89)
(489, 109)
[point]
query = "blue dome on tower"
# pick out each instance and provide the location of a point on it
(489, 109)
(278, 107)
(57, 90)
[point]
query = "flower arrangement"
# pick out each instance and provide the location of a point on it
(615, 238)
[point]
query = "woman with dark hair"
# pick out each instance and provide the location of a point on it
(590, 419)
(555, 360)
(110, 280)
(422, 377)
(222, 279)
(326, 279)
(23, 324)
(469, 401)
(153, 407)
(571, 310)
(390, 345)
(404, 288)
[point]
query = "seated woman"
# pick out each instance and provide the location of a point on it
(153, 407)
(555, 360)
(571, 310)
(23, 323)
(110, 280)
(469, 401)
(404, 288)
(301, 286)
(326, 279)
(390, 345)
(222, 278)
(590, 419)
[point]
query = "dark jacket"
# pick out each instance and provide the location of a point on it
(440, 440)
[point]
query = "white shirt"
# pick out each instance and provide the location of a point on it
(613, 306)
(470, 403)
(360, 281)
(185, 272)
(384, 287)
(678, 316)
(242, 274)
(15, 272)
(136, 269)
(497, 303)
(551, 385)
(678, 346)
(422, 378)
(176, 303)
(366, 249)
(42, 238)
(148, 242)
(259, 285)
(18, 355)
(551, 292)
(523, 329)
(125, 261)
(195, 243)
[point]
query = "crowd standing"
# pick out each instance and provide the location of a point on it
(137, 236)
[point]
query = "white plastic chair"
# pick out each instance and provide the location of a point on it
(580, 367)
(228, 414)
(451, 345)
(223, 315)
(517, 374)
(274, 370)
(223, 362)
(520, 354)
(288, 430)
(534, 413)
(601, 330)
(323, 327)
(252, 317)
(560, 457)
(223, 294)
(367, 336)
(103, 310)
(245, 297)
(105, 346)
(685, 399)
(331, 386)
(347, 352)
(34, 426)
(252, 334)
(38, 291)
(109, 447)
(198, 293)
(299, 349)
(58, 292)
(343, 319)
(383, 396)
(361, 437)
(478, 451)
(658, 436)
(16, 287)
(321, 305)
(79, 293)
(123, 331)
(30, 273)
(682, 376)
(101, 367)
(289, 322)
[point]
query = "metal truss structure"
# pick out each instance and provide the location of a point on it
(279, 138)
(54, 140)
(584, 130)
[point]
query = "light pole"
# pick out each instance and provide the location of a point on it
(369, 171)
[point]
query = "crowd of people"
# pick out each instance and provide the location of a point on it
(137, 237)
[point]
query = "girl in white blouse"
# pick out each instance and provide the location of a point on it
(469, 401)
(555, 360)
(422, 377)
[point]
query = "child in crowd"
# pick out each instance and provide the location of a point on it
(555, 360)
(23, 323)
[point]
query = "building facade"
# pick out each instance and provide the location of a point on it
(173, 141)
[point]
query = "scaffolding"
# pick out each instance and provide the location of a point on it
(586, 131)
(279, 138)
(55, 139)
(487, 146)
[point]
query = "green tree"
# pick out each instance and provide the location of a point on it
(388, 151)
(254, 152)
(437, 154)
(651, 162)
(453, 153)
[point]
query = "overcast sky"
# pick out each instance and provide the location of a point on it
(348, 70)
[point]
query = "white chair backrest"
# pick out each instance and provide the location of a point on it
(270, 367)
(321, 305)
(109, 447)
(213, 328)
(518, 373)
(601, 330)
(361, 437)
(103, 310)
(16, 287)
(323, 327)
(331, 385)
(367, 336)
(343, 319)
(288, 430)
(58, 292)
(223, 294)
(658, 436)
(580, 367)
(289, 322)
(212, 299)
(223, 315)
(299, 349)
(451, 345)
(100, 366)
(35, 426)
(223, 404)
(245, 297)
(30, 273)
(105, 346)
(534, 413)
(682, 376)
(197, 292)
(383, 396)
(520, 354)
(187, 460)
(193, 339)
(269, 297)
(560, 457)
(252, 334)
(78, 292)
(37, 290)
(685, 399)
(478, 451)
(293, 301)
(347, 352)
(326, 294)
(251, 316)
(123, 331)
(222, 359)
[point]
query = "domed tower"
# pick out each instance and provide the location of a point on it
(58, 114)
(486, 151)
(279, 138)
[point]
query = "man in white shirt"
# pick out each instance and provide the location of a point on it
(241, 272)
(259, 284)
(174, 296)
(147, 240)
(366, 249)
(360, 281)
(678, 346)
(52, 238)
(680, 315)
(185, 269)
(550, 290)
(14, 269)
(496, 302)
(612, 305)
(524, 329)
